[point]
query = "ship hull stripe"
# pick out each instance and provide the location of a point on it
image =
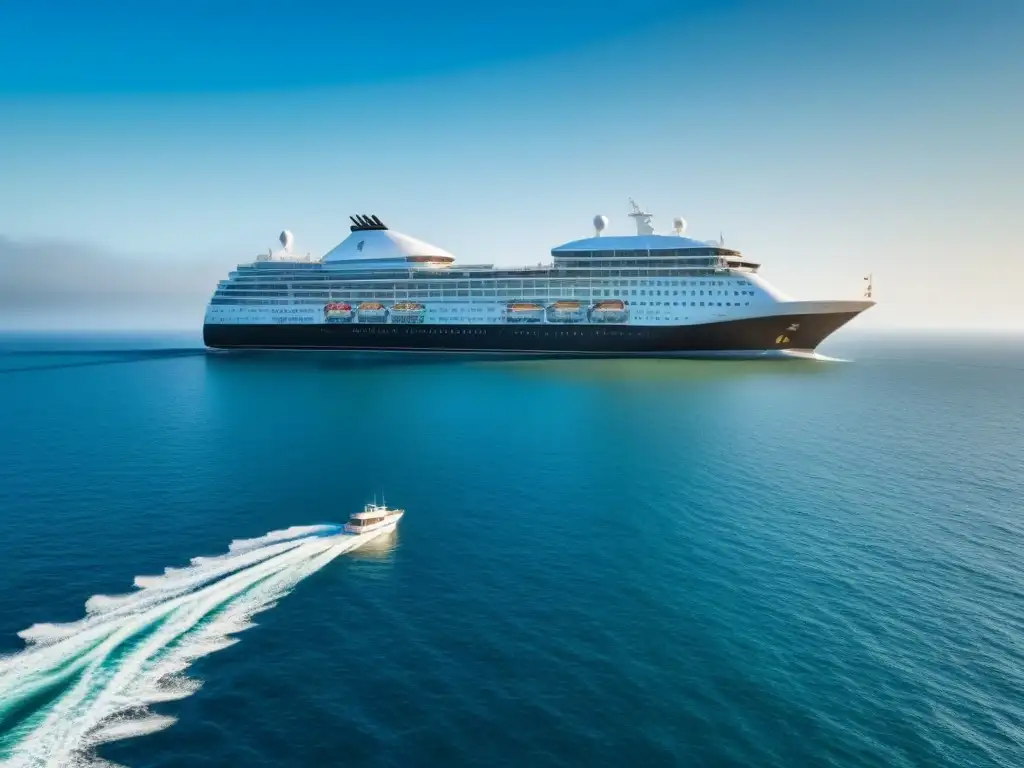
(774, 333)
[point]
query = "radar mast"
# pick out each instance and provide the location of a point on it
(642, 219)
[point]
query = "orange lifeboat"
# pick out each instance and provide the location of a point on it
(407, 306)
(524, 312)
(566, 312)
(337, 312)
(609, 311)
(408, 312)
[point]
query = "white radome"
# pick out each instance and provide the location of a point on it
(679, 225)
(286, 239)
(600, 223)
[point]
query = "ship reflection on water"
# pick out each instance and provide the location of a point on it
(378, 550)
(651, 371)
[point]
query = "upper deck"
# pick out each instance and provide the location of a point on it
(375, 511)
(374, 263)
(371, 249)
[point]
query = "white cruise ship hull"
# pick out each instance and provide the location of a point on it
(788, 326)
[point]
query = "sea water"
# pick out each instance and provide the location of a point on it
(653, 563)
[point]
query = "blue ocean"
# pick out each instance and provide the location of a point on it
(602, 563)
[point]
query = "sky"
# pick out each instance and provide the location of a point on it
(146, 148)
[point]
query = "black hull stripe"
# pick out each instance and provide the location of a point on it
(751, 335)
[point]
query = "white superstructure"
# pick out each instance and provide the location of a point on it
(666, 280)
(378, 276)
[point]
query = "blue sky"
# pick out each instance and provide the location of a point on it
(825, 139)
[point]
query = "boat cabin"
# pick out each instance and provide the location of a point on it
(372, 515)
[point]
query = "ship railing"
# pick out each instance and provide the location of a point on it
(488, 268)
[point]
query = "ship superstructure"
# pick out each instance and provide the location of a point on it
(645, 294)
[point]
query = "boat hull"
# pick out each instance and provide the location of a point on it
(750, 335)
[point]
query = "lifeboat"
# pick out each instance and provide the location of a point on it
(372, 311)
(408, 312)
(609, 311)
(565, 312)
(524, 312)
(338, 312)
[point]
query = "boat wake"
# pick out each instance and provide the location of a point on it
(798, 354)
(78, 685)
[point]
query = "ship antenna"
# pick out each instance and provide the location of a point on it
(642, 219)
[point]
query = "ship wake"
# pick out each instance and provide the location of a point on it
(81, 684)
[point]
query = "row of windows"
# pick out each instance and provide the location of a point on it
(314, 297)
(651, 253)
(358, 523)
(221, 301)
(693, 293)
(545, 331)
(416, 284)
(448, 275)
(478, 284)
(639, 257)
(510, 296)
(692, 304)
(633, 264)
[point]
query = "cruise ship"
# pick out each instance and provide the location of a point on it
(646, 294)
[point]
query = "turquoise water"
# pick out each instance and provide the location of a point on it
(603, 563)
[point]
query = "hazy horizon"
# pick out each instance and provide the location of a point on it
(825, 143)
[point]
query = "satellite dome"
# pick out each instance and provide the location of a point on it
(679, 225)
(600, 223)
(286, 239)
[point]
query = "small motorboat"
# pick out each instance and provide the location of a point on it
(374, 517)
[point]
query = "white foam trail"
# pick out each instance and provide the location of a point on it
(241, 554)
(800, 354)
(131, 650)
